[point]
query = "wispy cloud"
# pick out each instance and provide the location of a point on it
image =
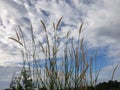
(101, 24)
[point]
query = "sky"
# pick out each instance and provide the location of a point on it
(101, 29)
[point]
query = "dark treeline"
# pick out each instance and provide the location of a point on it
(110, 85)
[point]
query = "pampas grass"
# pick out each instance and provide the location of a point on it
(71, 75)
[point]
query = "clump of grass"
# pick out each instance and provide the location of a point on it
(71, 74)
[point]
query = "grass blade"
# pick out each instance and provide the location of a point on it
(16, 40)
(58, 23)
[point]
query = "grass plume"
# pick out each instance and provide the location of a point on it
(53, 76)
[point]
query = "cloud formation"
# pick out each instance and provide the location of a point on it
(101, 24)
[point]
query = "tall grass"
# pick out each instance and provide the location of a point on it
(74, 71)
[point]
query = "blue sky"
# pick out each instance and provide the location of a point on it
(101, 29)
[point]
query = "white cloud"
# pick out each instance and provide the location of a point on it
(106, 73)
(101, 26)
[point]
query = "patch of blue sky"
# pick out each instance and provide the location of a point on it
(101, 57)
(46, 13)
